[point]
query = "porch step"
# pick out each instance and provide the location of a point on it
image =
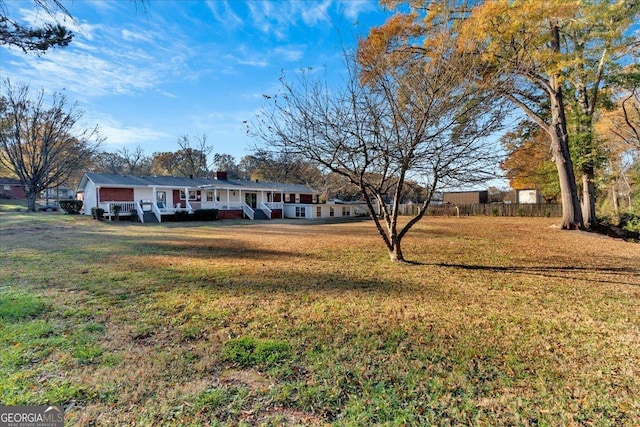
(149, 216)
(259, 214)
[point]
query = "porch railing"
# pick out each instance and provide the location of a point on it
(156, 211)
(228, 206)
(140, 212)
(274, 205)
(125, 207)
(266, 209)
(246, 209)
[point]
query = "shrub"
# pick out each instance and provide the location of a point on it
(630, 222)
(97, 213)
(72, 207)
(116, 211)
(134, 215)
(248, 352)
(205, 214)
(182, 216)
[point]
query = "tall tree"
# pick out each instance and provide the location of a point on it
(528, 164)
(226, 163)
(35, 39)
(42, 144)
(530, 49)
(193, 156)
(419, 121)
(280, 166)
(134, 162)
(593, 43)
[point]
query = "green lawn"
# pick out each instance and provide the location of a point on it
(500, 322)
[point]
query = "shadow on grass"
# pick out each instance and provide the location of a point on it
(568, 272)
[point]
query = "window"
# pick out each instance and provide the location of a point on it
(297, 198)
(331, 212)
(209, 196)
(318, 211)
(286, 197)
(346, 211)
(7, 187)
(192, 195)
(300, 212)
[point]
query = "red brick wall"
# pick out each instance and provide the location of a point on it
(233, 214)
(118, 194)
(306, 198)
(15, 191)
(276, 214)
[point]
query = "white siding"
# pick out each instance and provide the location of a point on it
(89, 198)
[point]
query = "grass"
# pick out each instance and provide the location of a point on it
(501, 321)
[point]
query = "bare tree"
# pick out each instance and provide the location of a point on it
(192, 157)
(134, 161)
(424, 123)
(41, 144)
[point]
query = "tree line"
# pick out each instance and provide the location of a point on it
(423, 98)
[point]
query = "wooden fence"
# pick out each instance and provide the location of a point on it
(498, 209)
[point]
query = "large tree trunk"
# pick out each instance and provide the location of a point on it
(31, 200)
(614, 199)
(571, 210)
(395, 253)
(589, 198)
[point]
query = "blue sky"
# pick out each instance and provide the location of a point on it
(149, 74)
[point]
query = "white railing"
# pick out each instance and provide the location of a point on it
(140, 212)
(275, 205)
(125, 207)
(264, 208)
(224, 206)
(188, 205)
(156, 211)
(248, 211)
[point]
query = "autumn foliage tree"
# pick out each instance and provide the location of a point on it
(42, 144)
(537, 55)
(528, 163)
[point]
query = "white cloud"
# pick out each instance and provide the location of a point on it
(354, 8)
(224, 14)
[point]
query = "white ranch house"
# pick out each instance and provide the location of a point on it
(153, 197)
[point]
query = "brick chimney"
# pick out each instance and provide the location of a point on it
(221, 176)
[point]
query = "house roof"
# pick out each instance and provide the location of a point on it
(101, 179)
(9, 181)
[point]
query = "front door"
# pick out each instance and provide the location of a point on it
(161, 199)
(251, 199)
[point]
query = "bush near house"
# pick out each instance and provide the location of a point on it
(97, 213)
(72, 207)
(205, 214)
